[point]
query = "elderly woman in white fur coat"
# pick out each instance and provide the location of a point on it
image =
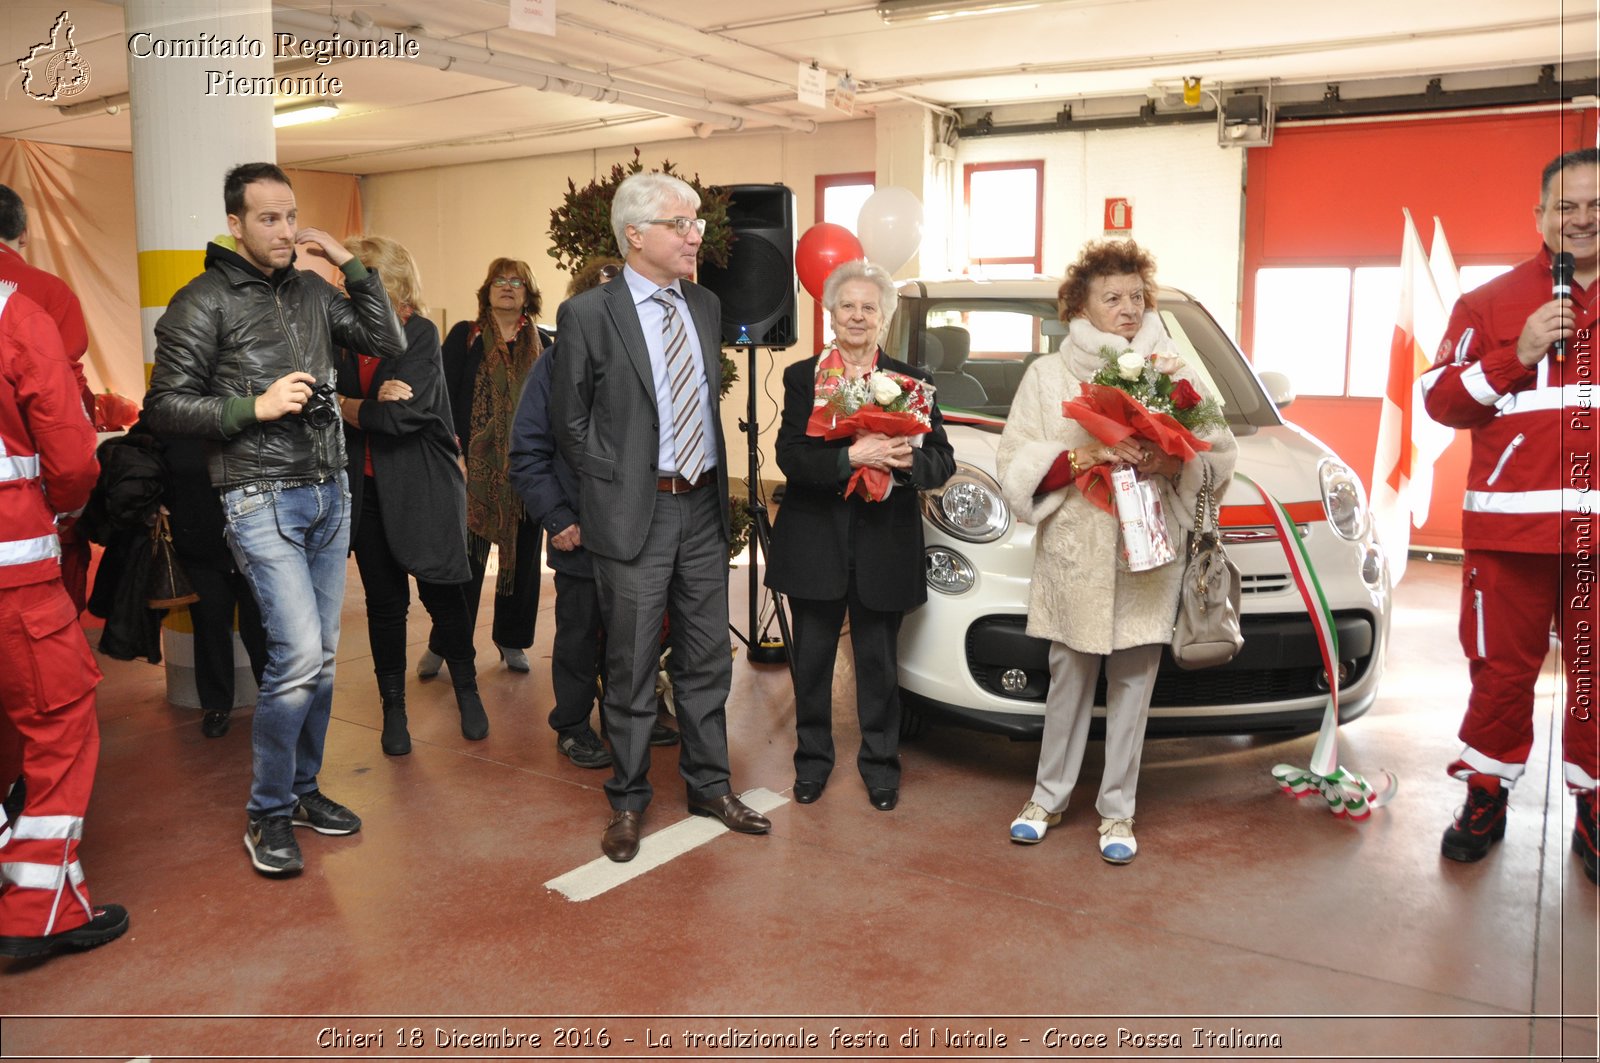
(1093, 611)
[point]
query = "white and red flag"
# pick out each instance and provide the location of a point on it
(1409, 441)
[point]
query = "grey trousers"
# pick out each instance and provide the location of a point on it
(681, 573)
(1130, 682)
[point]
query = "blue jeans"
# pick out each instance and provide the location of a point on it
(291, 544)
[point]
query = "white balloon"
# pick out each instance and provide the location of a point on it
(890, 226)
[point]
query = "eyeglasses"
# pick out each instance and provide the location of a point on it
(609, 273)
(507, 282)
(681, 226)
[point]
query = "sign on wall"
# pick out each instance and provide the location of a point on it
(1119, 216)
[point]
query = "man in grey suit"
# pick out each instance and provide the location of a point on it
(634, 403)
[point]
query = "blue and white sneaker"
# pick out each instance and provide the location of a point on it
(1029, 827)
(1116, 841)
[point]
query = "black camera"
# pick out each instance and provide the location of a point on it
(322, 408)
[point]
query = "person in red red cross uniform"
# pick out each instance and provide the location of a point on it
(1518, 369)
(47, 468)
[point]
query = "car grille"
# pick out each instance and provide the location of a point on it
(1280, 661)
(1268, 583)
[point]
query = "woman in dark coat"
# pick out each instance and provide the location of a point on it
(408, 499)
(832, 554)
(486, 362)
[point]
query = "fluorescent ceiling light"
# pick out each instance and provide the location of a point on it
(301, 113)
(893, 11)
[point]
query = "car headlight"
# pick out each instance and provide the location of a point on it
(1344, 499)
(968, 506)
(948, 571)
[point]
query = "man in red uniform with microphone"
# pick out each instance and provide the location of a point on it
(47, 684)
(1518, 369)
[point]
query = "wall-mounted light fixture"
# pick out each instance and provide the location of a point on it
(301, 113)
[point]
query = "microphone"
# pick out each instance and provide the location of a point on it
(1561, 267)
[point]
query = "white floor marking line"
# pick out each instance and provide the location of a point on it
(601, 874)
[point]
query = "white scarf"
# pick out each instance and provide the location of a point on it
(1083, 342)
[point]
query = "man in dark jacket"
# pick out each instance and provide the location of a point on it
(244, 359)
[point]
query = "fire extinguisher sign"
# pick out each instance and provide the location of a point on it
(1119, 215)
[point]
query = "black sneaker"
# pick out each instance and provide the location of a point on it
(583, 748)
(273, 850)
(324, 815)
(214, 724)
(109, 923)
(1584, 834)
(1479, 824)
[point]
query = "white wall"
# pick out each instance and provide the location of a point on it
(456, 219)
(1186, 192)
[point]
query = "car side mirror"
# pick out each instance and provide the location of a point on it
(1279, 389)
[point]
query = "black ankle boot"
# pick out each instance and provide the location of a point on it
(396, 740)
(474, 720)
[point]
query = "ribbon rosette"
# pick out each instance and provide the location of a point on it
(1112, 415)
(891, 403)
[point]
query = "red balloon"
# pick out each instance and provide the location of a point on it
(822, 249)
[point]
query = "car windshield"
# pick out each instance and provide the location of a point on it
(977, 348)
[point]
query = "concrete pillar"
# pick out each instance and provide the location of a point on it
(185, 141)
(909, 155)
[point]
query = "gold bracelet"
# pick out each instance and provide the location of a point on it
(1072, 463)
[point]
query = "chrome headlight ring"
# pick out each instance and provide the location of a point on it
(968, 506)
(1344, 500)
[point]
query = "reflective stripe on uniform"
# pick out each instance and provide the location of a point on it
(27, 551)
(1540, 400)
(1473, 761)
(40, 876)
(1478, 386)
(47, 828)
(1560, 500)
(13, 469)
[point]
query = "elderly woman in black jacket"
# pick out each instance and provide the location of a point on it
(408, 500)
(833, 554)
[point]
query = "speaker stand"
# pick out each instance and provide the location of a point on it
(761, 647)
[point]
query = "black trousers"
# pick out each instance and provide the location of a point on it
(577, 652)
(873, 636)
(220, 594)
(514, 613)
(388, 589)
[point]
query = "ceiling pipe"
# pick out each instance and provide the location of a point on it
(519, 69)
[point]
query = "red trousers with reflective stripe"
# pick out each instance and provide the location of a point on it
(1509, 603)
(47, 694)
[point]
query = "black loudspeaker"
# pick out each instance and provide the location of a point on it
(757, 287)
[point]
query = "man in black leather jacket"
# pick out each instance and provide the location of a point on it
(244, 359)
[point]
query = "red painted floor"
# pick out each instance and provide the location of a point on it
(1247, 917)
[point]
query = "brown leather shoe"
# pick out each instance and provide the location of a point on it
(620, 842)
(734, 813)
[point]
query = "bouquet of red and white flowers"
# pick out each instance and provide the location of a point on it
(1136, 395)
(891, 403)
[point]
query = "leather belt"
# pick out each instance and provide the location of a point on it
(677, 485)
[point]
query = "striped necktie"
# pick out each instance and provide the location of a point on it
(687, 430)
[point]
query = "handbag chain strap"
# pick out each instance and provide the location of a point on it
(1206, 520)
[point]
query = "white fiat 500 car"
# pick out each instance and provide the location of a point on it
(965, 657)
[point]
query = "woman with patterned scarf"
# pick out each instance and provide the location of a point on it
(485, 364)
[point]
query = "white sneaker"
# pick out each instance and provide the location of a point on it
(1116, 841)
(1029, 826)
(428, 664)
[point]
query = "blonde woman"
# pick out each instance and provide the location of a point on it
(403, 459)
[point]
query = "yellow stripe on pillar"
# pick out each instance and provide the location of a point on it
(162, 273)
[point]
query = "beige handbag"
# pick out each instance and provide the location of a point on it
(1206, 632)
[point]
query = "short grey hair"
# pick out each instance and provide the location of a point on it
(861, 270)
(644, 196)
